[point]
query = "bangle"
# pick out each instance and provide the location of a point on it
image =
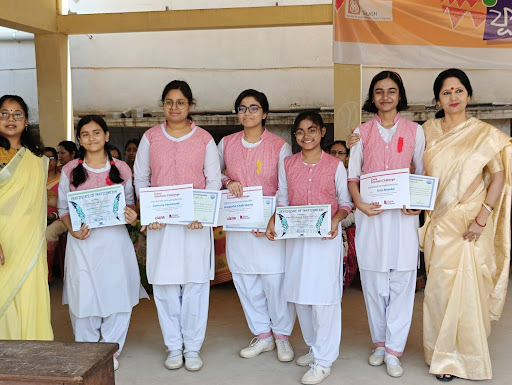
(228, 182)
(479, 223)
(488, 207)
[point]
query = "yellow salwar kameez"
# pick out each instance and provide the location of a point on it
(467, 281)
(24, 295)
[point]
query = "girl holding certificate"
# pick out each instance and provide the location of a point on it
(251, 158)
(180, 259)
(387, 259)
(313, 266)
(101, 279)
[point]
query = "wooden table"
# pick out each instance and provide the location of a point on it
(51, 362)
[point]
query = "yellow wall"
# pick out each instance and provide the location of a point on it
(29, 15)
(347, 99)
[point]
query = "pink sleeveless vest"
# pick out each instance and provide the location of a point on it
(257, 166)
(312, 184)
(381, 156)
(179, 162)
(94, 179)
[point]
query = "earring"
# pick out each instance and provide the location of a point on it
(26, 127)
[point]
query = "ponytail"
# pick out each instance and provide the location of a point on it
(114, 174)
(79, 175)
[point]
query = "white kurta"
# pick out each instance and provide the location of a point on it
(314, 267)
(101, 276)
(247, 254)
(388, 241)
(175, 254)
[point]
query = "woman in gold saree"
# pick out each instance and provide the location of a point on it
(466, 238)
(24, 296)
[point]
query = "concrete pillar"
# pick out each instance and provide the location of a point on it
(54, 88)
(347, 99)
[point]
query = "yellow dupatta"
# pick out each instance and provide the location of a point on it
(457, 158)
(22, 221)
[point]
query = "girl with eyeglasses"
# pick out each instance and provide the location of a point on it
(24, 295)
(313, 267)
(180, 259)
(251, 157)
(387, 259)
(101, 279)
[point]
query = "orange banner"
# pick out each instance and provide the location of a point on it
(424, 33)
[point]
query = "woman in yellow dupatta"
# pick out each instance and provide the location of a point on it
(466, 238)
(24, 295)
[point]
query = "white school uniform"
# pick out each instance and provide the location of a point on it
(257, 266)
(387, 254)
(313, 281)
(180, 262)
(101, 275)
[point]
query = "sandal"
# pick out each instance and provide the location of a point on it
(445, 377)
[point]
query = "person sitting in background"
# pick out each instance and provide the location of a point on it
(66, 151)
(130, 150)
(55, 227)
(339, 150)
(115, 152)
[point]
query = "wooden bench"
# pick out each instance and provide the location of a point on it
(51, 362)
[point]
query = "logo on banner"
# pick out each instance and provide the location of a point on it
(376, 10)
(498, 23)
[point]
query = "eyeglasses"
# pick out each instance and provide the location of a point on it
(4, 115)
(334, 152)
(311, 131)
(253, 108)
(180, 104)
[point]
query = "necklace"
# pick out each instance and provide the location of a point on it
(446, 130)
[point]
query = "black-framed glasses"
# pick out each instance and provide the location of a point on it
(180, 104)
(311, 131)
(334, 152)
(16, 115)
(253, 108)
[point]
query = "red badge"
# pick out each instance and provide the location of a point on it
(400, 144)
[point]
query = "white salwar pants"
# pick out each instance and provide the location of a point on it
(321, 329)
(183, 314)
(389, 298)
(264, 305)
(113, 328)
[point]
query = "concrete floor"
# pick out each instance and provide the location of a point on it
(144, 352)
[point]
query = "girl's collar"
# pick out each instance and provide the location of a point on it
(395, 121)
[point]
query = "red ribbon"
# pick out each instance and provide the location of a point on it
(109, 182)
(400, 144)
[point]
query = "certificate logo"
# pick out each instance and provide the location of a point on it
(212, 196)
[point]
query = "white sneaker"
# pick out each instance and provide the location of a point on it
(315, 375)
(193, 364)
(393, 366)
(256, 347)
(284, 351)
(116, 363)
(306, 359)
(174, 362)
(377, 357)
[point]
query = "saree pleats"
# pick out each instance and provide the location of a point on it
(467, 281)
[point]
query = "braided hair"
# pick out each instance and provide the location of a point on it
(79, 174)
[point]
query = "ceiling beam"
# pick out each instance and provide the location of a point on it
(197, 19)
(33, 16)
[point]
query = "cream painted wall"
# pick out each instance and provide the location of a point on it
(293, 66)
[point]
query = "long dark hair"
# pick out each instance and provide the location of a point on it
(28, 139)
(183, 87)
(70, 147)
(450, 73)
(79, 174)
(370, 106)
